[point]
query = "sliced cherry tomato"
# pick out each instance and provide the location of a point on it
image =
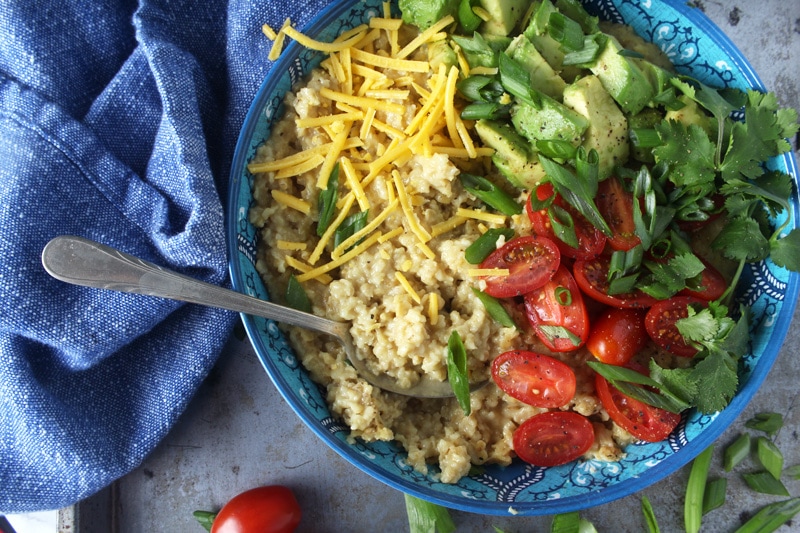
(641, 420)
(713, 285)
(558, 304)
(660, 324)
(269, 509)
(553, 438)
(616, 206)
(531, 262)
(591, 240)
(617, 335)
(592, 277)
(534, 378)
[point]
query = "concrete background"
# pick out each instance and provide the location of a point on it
(238, 433)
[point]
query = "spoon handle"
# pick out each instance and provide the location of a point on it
(84, 262)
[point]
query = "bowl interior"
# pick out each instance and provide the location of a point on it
(697, 48)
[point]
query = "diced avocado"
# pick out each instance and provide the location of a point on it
(647, 118)
(424, 13)
(440, 52)
(691, 113)
(608, 128)
(552, 120)
(513, 156)
(631, 41)
(622, 78)
(505, 15)
(543, 78)
(549, 48)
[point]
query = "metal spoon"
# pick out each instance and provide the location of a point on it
(83, 262)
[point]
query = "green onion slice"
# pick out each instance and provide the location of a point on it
(490, 194)
(771, 516)
(695, 491)
(327, 201)
(714, 496)
(457, 372)
(649, 516)
(424, 517)
(351, 225)
(736, 452)
(296, 296)
(467, 18)
(495, 309)
(486, 244)
(765, 483)
(769, 423)
(769, 456)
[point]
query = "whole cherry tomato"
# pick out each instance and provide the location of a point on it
(268, 509)
(617, 335)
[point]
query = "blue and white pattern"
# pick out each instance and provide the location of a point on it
(698, 48)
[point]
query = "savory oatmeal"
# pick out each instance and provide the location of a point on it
(382, 119)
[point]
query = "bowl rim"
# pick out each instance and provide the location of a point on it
(662, 469)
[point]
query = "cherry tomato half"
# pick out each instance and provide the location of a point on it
(559, 304)
(616, 206)
(591, 240)
(617, 335)
(531, 262)
(641, 420)
(534, 378)
(553, 438)
(592, 277)
(269, 509)
(712, 285)
(660, 324)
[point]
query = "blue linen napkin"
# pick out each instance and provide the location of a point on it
(118, 122)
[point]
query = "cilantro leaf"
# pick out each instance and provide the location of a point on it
(785, 252)
(715, 375)
(689, 154)
(742, 240)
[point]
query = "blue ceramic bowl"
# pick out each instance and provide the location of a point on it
(696, 47)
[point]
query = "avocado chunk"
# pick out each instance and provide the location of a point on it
(622, 78)
(424, 13)
(692, 113)
(543, 78)
(608, 128)
(549, 48)
(440, 53)
(551, 120)
(505, 15)
(513, 156)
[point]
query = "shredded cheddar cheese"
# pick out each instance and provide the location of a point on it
(291, 201)
(479, 272)
(407, 286)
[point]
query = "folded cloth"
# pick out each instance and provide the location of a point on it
(119, 122)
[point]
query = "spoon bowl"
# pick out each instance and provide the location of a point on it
(84, 262)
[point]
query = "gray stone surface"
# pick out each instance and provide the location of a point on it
(238, 432)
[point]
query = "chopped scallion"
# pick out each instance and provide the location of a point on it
(765, 483)
(327, 201)
(490, 194)
(486, 244)
(736, 452)
(516, 81)
(350, 226)
(695, 490)
(649, 516)
(467, 18)
(296, 296)
(427, 517)
(714, 496)
(770, 456)
(566, 523)
(769, 423)
(495, 309)
(771, 516)
(484, 110)
(457, 372)
(565, 31)
(644, 137)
